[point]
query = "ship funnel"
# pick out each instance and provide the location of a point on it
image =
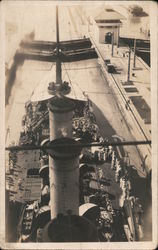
(64, 176)
(70, 228)
(60, 117)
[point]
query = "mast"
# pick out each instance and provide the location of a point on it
(58, 61)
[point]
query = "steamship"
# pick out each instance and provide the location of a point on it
(73, 185)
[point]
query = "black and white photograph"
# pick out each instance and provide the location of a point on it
(79, 124)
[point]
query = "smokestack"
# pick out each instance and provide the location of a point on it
(60, 117)
(70, 228)
(64, 177)
(65, 225)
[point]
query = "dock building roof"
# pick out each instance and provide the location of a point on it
(109, 15)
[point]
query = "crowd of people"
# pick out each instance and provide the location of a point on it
(84, 123)
(123, 178)
(34, 122)
(12, 159)
(85, 129)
